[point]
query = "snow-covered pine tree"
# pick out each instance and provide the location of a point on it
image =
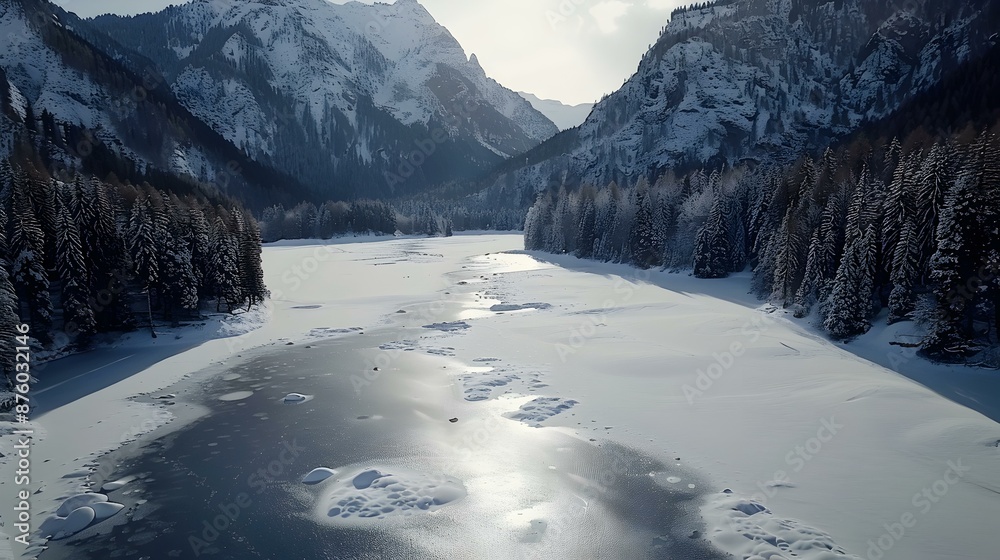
(904, 273)
(645, 243)
(898, 204)
(537, 223)
(78, 317)
(713, 250)
(27, 250)
(983, 172)
(8, 298)
(249, 251)
(178, 286)
(225, 273)
(105, 252)
(606, 203)
(586, 236)
(198, 233)
(935, 175)
(849, 309)
(144, 246)
(952, 266)
(789, 259)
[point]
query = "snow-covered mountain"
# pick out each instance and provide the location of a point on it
(97, 114)
(564, 116)
(355, 99)
(760, 79)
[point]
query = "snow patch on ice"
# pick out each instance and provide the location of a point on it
(364, 495)
(747, 529)
(539, 410)
(236, 396)
(503, 307)
(318, 475)
(455, 326)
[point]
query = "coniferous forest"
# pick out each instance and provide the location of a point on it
(886, 230)
(86, 257)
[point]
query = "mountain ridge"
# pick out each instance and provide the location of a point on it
(369, 83)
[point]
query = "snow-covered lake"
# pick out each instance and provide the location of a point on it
(465, 394)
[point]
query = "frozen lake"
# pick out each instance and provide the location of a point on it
(229, 485)
(598, 411)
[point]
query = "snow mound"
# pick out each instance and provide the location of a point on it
(375, 494)
(541, 409)
(76, 513)
(318, 475)
(116, 484)
(79, 501)
(63, 527)
(747, 529)
(104, 510)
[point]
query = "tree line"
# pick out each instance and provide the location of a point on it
(87, 256)
(871, 230)
(425, 216)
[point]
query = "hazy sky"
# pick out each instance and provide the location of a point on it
(570, 50)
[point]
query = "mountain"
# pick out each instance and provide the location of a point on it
(758, 80)
(354, 100)
(564, 116)
(94, 113)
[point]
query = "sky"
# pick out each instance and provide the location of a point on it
(570, 50)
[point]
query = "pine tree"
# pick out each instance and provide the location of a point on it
(713, 250)
(255, 289)
(850, 306)
(788, 261)
(27, 249)
(143, 243)
(586, 236)
(951, 267)
(8, 302)
(645, 243)
(198, 240)
(904, 273)
(935, 176)
(178, 285)
(78, 317)
(225, 271)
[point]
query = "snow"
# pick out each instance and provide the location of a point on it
(823, 449)
(78, 501)
(371, 494)
(318, 475)
(325, 54)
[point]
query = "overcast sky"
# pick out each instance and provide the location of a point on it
(570, 50)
